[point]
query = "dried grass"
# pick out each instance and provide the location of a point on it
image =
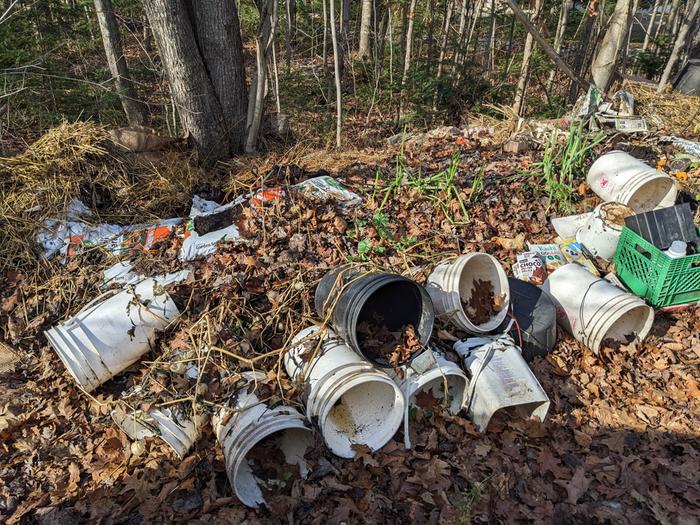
(80, 160)
(671, 112)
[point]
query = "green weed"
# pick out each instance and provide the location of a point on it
(469, 503)
(562, 164)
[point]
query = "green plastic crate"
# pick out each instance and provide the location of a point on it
(650, 273)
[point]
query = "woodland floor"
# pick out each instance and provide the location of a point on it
(620, 444)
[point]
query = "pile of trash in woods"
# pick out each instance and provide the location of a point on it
(428, 339)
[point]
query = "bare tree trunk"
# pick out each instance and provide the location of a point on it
(461, 31)
(660, 24)
(520, 90)
(407, 54)
(365, 26)
(263, 43)
(117, 62)
(147, 36)
(336, 63)
(672, 18)
(492, 38)
(607, 57)
(509, 49)
(650, 26)
(585, 39)
(404, 29)
(445, 35)
(680, 44)
(291, 30)
(326, 69)
(88, 21)
(566, 6)
(202, 54)
(431, 38)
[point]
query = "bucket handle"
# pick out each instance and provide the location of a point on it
(92, 304)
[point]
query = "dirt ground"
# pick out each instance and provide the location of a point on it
(620, 443)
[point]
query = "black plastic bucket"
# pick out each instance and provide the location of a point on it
(396, 300)
(536, 316)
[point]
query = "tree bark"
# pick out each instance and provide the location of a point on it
(650, 26)
(117, 62)
(147, 36)
(218, 34)
(679, 44)
(210, 97)
(519, 98)
(660, 24)
(566, 6)
(291, 30)
(336, 64)
(409, 47)
(363, 50)
(607, 56)
(546, 47)
(256, 100)
(492, 37)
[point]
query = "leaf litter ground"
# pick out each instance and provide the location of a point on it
(620, 444)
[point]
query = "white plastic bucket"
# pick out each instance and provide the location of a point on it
(601, 232)
(354, 403)
(593, 310)
(450, 283)
(619, 177)
(499, 379)
(177, 430)
(248, 422)
(432, 373)
(112, 332)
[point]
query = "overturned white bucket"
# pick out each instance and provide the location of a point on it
(452, 284)
(247, 423)
(593, 310)
(499, 380)
(112, 332)
(619, 177)
(353, 402)
(432, 374)
(171, 425)
(601, 232)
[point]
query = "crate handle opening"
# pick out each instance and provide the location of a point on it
(640, 249)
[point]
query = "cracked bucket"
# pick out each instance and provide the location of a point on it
(112, 332)
(499, 379)
(245, 425)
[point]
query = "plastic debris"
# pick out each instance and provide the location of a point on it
(499, 379)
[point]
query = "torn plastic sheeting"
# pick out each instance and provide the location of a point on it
(432, 374)
(499, 379)
(626, 106)
(689, 146)
(67, 237)
(171, 425)
(200, 244)
(568, 227)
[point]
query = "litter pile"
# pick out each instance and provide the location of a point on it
(205, 339)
